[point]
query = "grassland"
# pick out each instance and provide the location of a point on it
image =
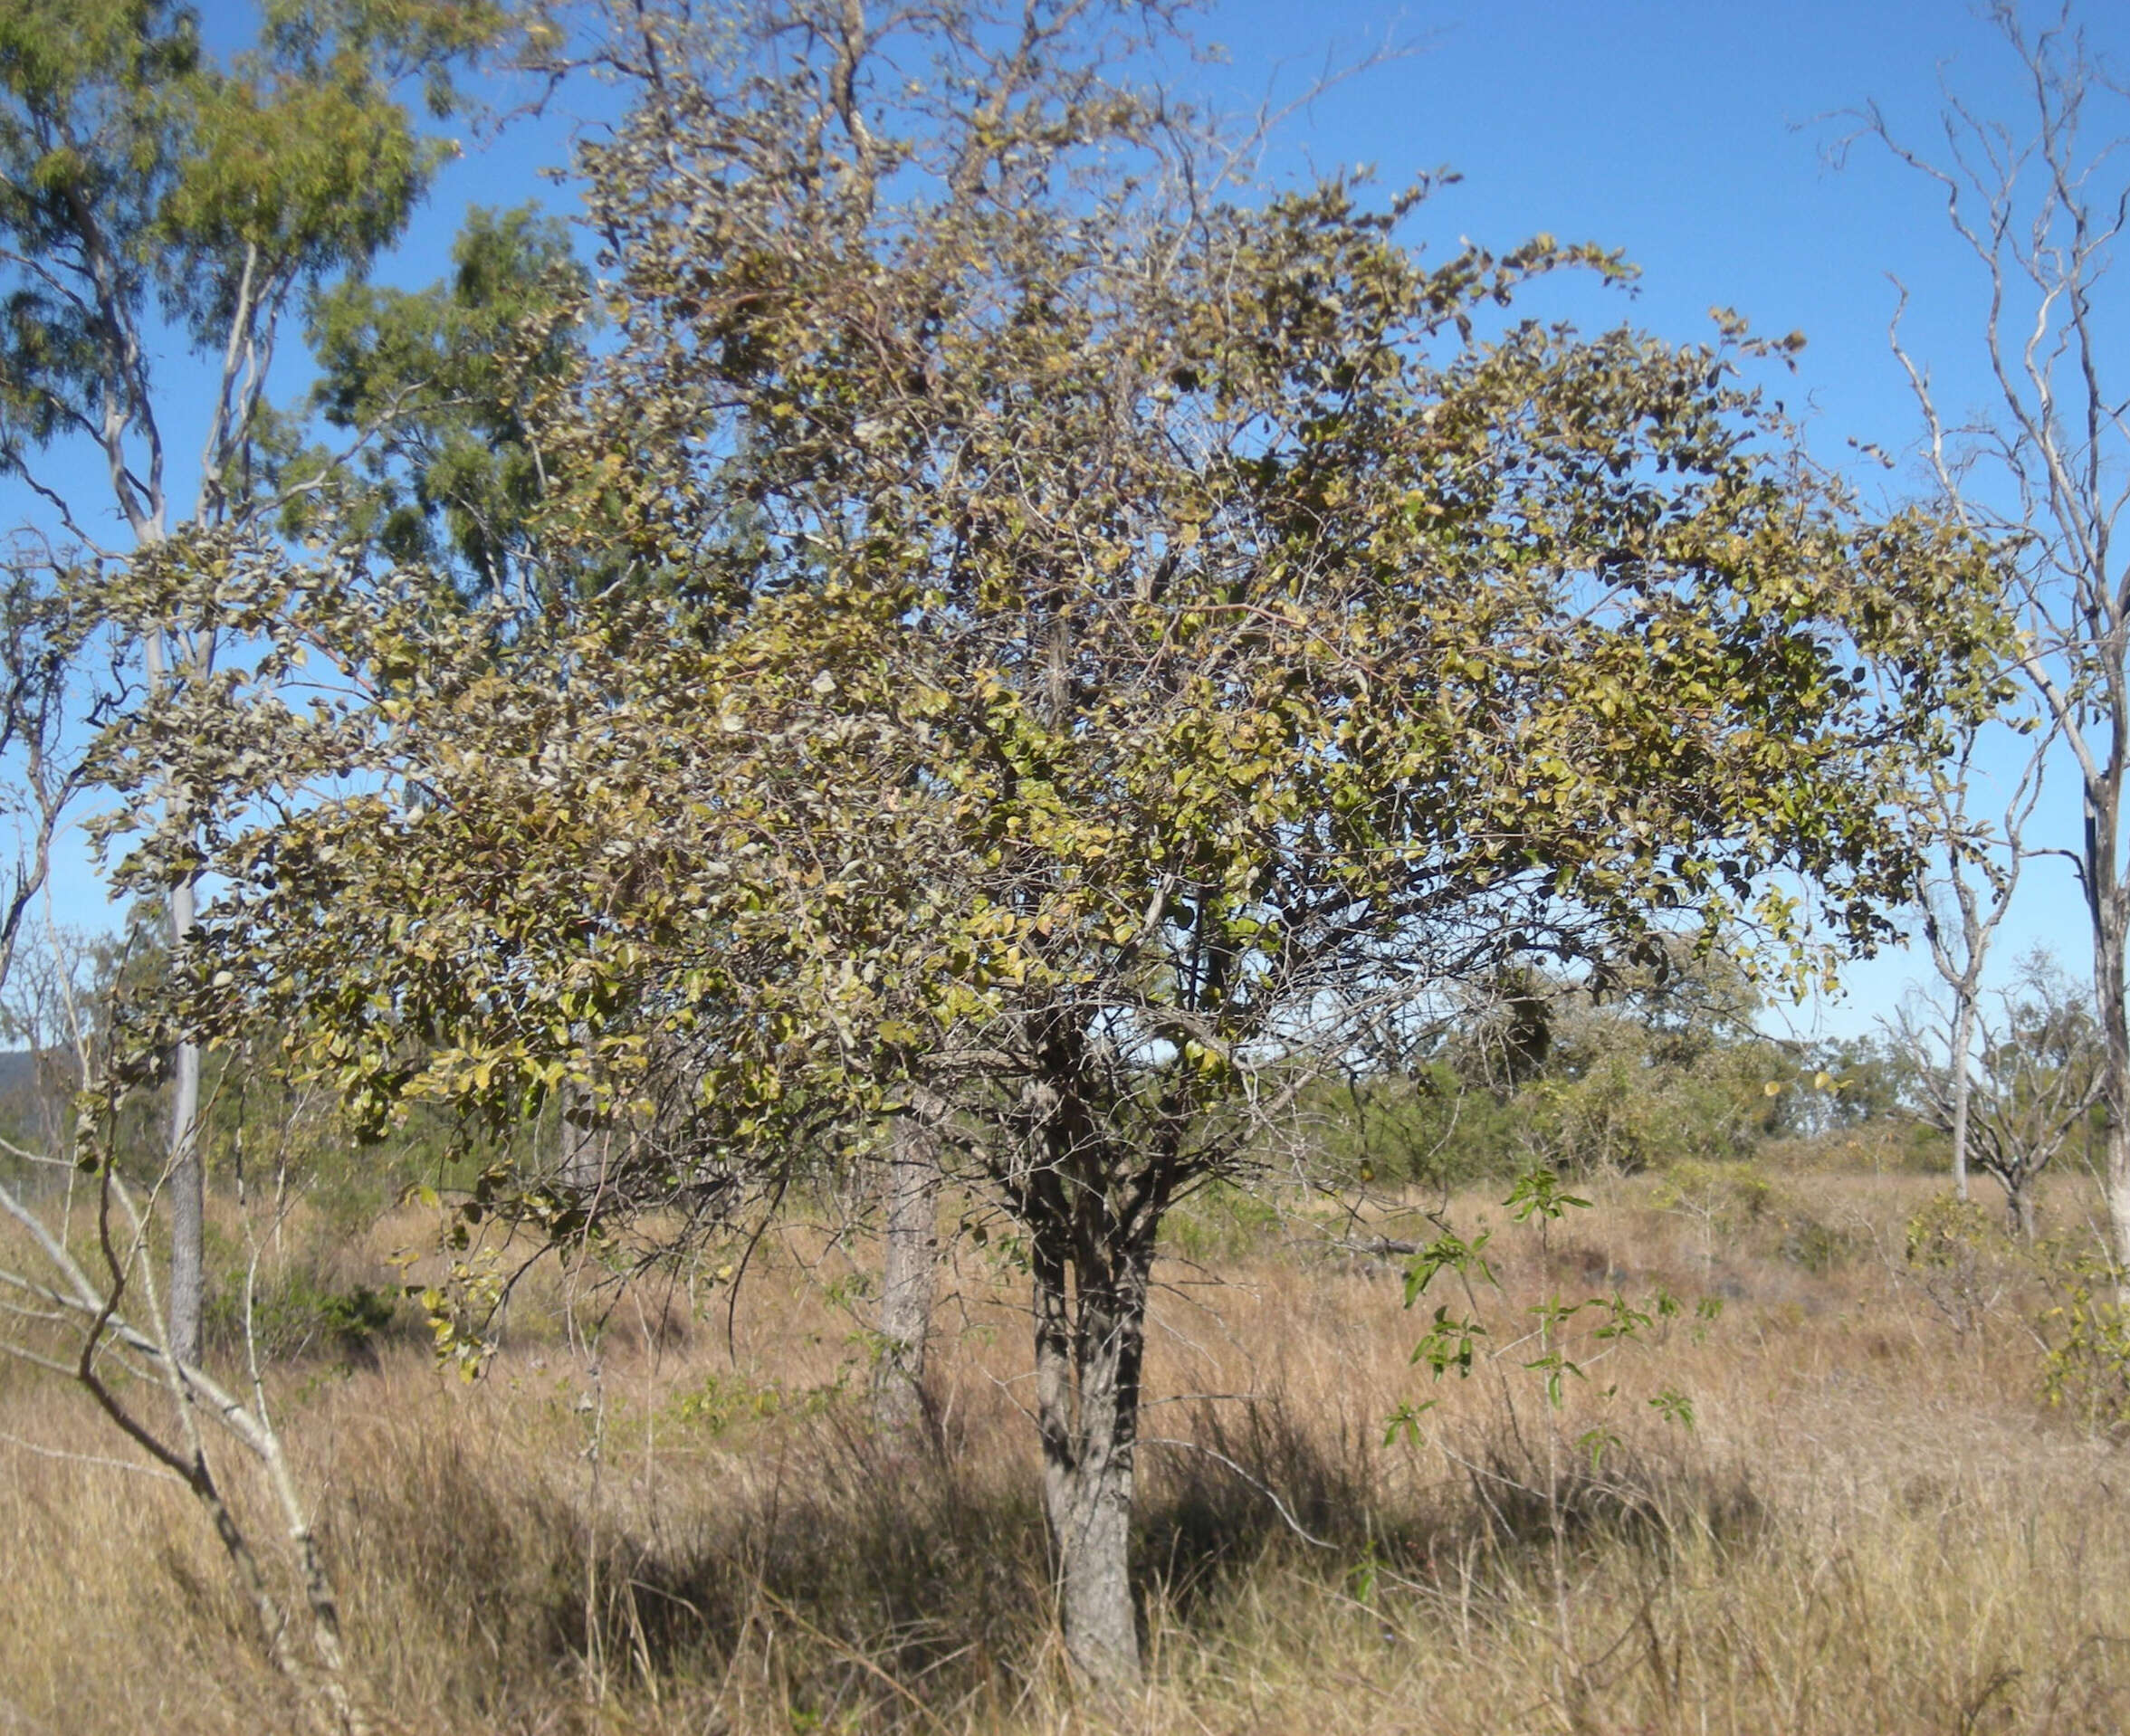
(1876, 1521)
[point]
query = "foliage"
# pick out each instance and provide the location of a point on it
(1594, 1328)
(1220, 1222)
(143, 176)
(2086, 1367)
(1808, 1241)
(1616, 1106)
(299, 1314)
(723, 1402)
(1095, 645)
(1967, 1267)
(1631, 1065)
(1727, 1196)
(160, 211)
(442, 381)
(1958, 1258)
(1425, 1127)
(900, 659)
(1870, 1083)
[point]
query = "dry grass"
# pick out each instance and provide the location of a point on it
(1874, 1525)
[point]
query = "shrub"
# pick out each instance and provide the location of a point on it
(1727, 1196)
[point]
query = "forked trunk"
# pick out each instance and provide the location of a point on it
(906, 1277)
(1089, 1347)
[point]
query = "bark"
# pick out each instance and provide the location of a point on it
(185, 1175)
(1963, 1084)
(584, 1155)
(2022, 1203)
(2105, 904)
(1089, 1348)
(187, 1181)
(906, 1278)
(2115, 1139)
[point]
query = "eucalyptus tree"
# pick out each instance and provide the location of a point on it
(1091, 638)
(161, 212)
(79, 1295)
(436, 385)
(50, 690)
(1965, 902)
(2039, 201)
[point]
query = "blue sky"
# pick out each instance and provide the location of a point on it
(1695, 137)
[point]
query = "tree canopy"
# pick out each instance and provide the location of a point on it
(1090, 642)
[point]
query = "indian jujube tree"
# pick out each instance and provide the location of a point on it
(1093, 639)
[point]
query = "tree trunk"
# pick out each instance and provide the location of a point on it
(2115, 1139)
(1089, 1348)
(583, 1155)
(2107, 906)
(1962, 1087)
(186, 1175)
(2020, 1200)
(906, 1278)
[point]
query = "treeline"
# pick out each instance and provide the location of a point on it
(1648, 1069)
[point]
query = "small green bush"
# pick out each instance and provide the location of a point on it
(1818, 1248)
(1727, 1196)
(2087, 1371)
(296, 1312)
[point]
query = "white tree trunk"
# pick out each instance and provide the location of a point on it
(583, 1164)
(185, 1169)
(2107, 905)
(1962, 1087)
(187, 1187)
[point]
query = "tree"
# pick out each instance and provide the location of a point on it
(48, 692)
(101, 1319)
(152, 194)
(435, 384)
(910, 1232)
(2041, 1074)
(1965, 906)
(2041, 204)
(1094, 639)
